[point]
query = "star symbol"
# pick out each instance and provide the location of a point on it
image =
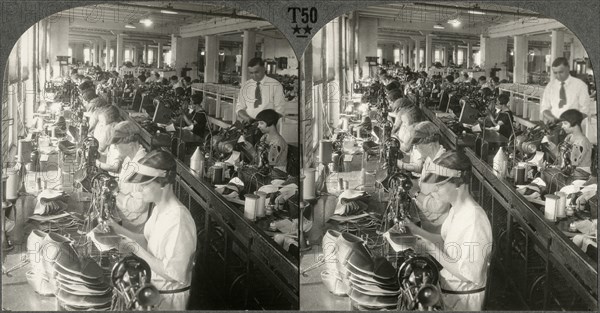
(296, 29)
(307, 29)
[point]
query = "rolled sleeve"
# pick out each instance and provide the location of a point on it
(279, 99)
(546, 104)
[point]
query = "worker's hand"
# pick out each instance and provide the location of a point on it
(128, 246)
(115, 226)
(548, 115)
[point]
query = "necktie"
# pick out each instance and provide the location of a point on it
(257, 96)
(563, 95)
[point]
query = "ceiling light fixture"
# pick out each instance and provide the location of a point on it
(168, 12)
(438, 26)
(129, 26)
(476, 12)
(454, 22)
(202, 53)
(147, 22)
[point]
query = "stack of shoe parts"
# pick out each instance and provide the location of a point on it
(371, 281)
(77, 282)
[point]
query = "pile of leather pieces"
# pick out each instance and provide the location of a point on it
(351, 270)
(57, 270)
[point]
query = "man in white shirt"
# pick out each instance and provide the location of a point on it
(564, 92)
(259, 93)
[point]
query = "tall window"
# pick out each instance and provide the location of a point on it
(461, 56)
(70, 52)
(396, 55)
(437, 56)
(477, 58)
(379, 55)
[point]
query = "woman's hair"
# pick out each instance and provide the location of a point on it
(395, 94)
(504, 98)
(450, 78)
(413, 114)
(573, 117)
(160, 160)
(452, 160)
(111, 114)
(142, 78)
(269, 116)
(197, 98)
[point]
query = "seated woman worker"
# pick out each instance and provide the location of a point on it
(278, 148)
(464, 246)
(168, 243)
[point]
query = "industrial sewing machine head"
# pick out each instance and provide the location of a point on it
(103, 207)
(418, 277)
(262, 157)
(131, 279)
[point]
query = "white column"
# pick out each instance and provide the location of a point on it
(107, 62)
(119, 52)
(428, 51)
(174, 48)
(417, 54)
(484, 48)
(405, 53)
(521, 56)
(248, 51)
(558, 43)
(146, 53)
(469, 54)
(411, 49)
(445, 56)
(159, 55)
(211, 71)
(455, 54)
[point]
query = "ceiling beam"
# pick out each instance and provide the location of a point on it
(232, 15)
(214, 27)
(467, 9)
(523, 27)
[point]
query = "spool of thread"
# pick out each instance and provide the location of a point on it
(250, 205)
(216, 175)
(308, 185)
(225, 171)
(260, 206)
(345, 123)
(520, 175)
(562, 204)
(550, 207)
(325, 151)
(336, 162)
(12, 184)
(24, 149)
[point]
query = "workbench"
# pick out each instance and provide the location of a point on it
(247, 259)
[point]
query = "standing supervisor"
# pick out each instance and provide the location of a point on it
(564, 92)
(259, 93)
